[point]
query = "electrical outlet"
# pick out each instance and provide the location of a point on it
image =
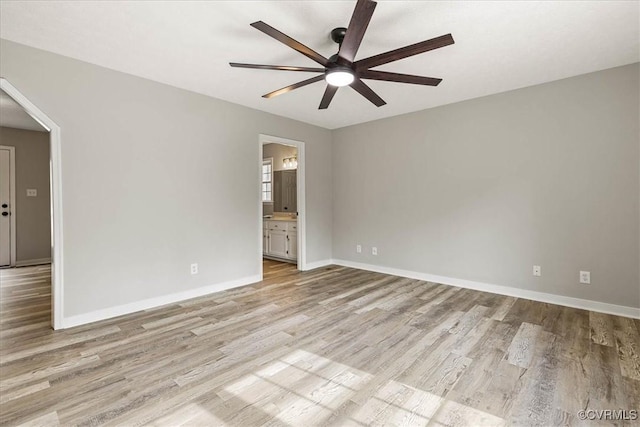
(32, 192)
(537, 271)
(194, 268)
(359, 249)
(374, 251)
(585, 277)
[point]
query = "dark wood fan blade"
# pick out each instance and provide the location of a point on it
(404, 52)
(399, 78)
(329, 92)
(367, 92)
(293, 44)
(357, 27)
(293, 86)
(277, 67)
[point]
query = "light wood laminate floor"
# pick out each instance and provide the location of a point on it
(332, 346)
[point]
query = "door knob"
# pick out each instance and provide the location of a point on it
(4, 206)
(5, 213)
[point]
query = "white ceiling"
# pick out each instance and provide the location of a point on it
(500, 46)
(12, 115)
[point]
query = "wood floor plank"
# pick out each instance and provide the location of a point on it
(502, 389)
(22, 391)
(534, 405)
(446, 375)
(505, 306)
(628, 347)
(334, 346)
(605, 379)
(521, 350)
(472, 386)
(453, 414)
(631, 388)
(46, 420)
(377, 410)
(418, 409)
(601, 329)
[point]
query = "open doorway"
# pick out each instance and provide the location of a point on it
(282, 201)
(30, 221)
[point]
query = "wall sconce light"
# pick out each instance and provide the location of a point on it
(290, 163)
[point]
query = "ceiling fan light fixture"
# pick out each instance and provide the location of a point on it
(342, 69)
(339, 76)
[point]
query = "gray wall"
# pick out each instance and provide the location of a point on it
(484, 189)
(479, 190)
(150, 174)
(33, 220)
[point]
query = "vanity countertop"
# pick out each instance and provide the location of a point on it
(280, 218)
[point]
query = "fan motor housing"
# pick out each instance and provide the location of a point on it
(337, 34)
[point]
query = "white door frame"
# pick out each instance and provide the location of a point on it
(12, 203)
(55, 180)
(300, 193)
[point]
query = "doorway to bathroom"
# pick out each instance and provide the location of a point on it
(282, 201)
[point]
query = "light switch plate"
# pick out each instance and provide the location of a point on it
(32, 192)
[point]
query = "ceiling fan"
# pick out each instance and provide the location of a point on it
(342, 69)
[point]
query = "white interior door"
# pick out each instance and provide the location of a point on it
(6, 178)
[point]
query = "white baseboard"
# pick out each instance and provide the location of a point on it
(318, 264)
(28, 262)
(108, 313)
(601, 307)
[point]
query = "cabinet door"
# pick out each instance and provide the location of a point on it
(277, 243)
(288, 191)
(265, 240)
(292, 245)
(265, 237)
